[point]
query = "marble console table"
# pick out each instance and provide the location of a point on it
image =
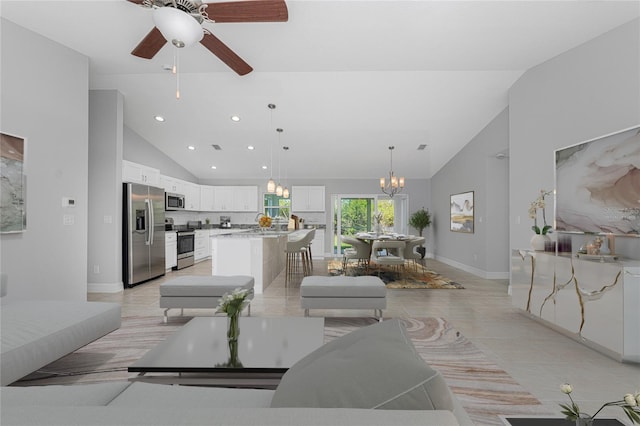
(253, 253)
(596, 303)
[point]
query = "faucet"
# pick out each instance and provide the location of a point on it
(258, 216)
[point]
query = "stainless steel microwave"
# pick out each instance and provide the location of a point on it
(173, 201)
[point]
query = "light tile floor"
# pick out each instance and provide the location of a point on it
(539, 358)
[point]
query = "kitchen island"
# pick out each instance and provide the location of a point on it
(253, 252)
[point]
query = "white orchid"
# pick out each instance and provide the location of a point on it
(233, 303)
(630, 405)
(539, 203)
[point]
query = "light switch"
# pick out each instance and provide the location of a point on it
(68, 219)
(108, 219)
(68, 202)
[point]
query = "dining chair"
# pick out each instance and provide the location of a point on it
(388, 253)
(359, 251)
(410, 252)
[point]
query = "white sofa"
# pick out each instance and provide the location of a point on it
(372, 376)
(38, 332)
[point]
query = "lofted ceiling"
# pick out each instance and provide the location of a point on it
(348, 78)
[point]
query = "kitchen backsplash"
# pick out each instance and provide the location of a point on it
(181, 218)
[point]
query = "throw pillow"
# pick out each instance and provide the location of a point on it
(373, 367)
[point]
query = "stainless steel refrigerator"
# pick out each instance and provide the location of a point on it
(143, 233)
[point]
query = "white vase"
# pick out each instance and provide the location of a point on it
(538, 241)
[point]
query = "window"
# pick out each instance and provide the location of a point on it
(276, 207)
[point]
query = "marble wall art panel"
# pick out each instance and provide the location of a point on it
(13, 208)
(462, 212)
(598, 185)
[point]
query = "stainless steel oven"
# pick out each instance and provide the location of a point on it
(186, 244)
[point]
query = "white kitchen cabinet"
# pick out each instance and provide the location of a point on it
(307, 199)
(235, 198)
(192, 196)
(138, 173)
(173, 185)
(317, 244)
(170, 249)
(245, 199)
(207, 198)
(223, 198)
(201, 245)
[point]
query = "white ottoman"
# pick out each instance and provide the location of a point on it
(341, 292)
(201, 291)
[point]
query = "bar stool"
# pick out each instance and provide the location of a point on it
(297, 254)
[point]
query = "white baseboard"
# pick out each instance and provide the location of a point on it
(105, 287)
(475, 271)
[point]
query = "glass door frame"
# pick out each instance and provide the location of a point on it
(400, 215)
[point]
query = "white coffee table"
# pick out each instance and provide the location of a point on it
(198, 353)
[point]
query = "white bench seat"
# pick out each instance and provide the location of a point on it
(342, 292)
(201, 291)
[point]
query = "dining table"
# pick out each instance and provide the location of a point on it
(370, 237)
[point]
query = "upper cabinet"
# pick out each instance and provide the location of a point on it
(192, 196)
(307, 198)
(137, 173)
(173, 185)
(245, 199)
(235, 198)
(207, 198)
(223, 198)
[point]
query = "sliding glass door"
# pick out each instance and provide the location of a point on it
(355, 213)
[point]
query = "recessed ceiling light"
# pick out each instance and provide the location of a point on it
(264, 167)
(235, 118)
(213, 167)
(191, 147)
(250, 147)
(159, 118)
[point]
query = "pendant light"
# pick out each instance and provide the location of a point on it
(285, 191)
(271, 185)
(279, 188)
(395, 184)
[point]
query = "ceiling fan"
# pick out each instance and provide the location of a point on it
(180, 21)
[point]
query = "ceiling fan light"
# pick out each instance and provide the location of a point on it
(177, 27)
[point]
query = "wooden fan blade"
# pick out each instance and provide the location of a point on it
(248, 11)
(136, 1)
(225, 54)
(150, 45)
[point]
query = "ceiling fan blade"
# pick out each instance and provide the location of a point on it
(136, 1)
(249, 11)
(225, 54)
(150, 45)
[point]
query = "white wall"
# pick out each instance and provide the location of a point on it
(475, 168)
(104, 247)
(45, 99)
(589, 91)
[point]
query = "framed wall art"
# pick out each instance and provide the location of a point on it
(13, 190)
(598, 185)
(462, 212)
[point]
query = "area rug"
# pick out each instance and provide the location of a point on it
(420, 277)
(485, 390)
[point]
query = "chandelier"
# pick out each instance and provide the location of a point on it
(395, 184)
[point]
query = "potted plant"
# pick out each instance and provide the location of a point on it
(419, 220)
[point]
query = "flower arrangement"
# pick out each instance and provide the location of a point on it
(630, 404)
(539, 203)
(264, 221)
(377, 218)
(232, 304)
